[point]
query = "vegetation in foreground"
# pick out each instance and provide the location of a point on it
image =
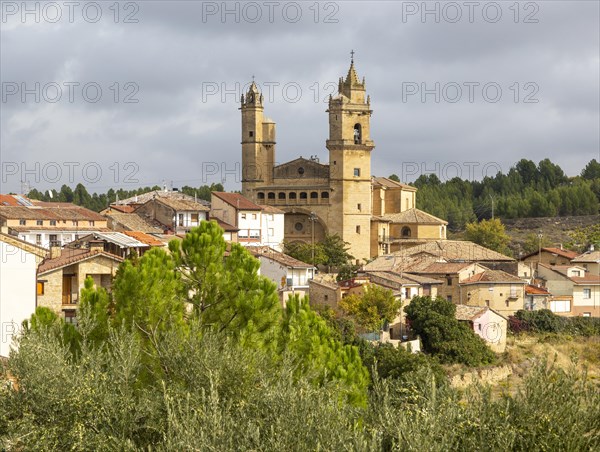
(193, 352)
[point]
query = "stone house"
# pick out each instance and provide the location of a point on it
(177, 214)
(590, 260)
(496, 289)
(549, 256)
(61, 277)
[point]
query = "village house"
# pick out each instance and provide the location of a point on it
(590, 260)
(291, 275)
(49, 223)
(117, 243)
(536, 298)
(178, 214)
(575, 292)
(549, 256)
(257, 225)
(61, 276)
(486, 323)
(122, 222)
(18, 268)
(495, 289)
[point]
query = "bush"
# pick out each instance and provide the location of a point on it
(448, 339)
(545, 321)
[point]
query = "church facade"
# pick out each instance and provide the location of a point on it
(340, 197)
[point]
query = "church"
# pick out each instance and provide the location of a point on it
(375, 215)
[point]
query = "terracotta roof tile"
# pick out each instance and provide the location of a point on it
(535, 290)
(134, 222)
(389, 183)
(587, 257)
(72, 256)
(236, 200)
(270, 253)
(493, 276)
(144, 238)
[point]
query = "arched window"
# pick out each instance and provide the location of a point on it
(261, 195)
(271, 195)
(324, 195)
(303, 195)
(405, 232)
(314, 195)
(357, 134)
(281, 195)
(292, 195)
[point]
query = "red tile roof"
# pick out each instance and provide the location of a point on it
(72, 256)
(559, 252)
(535, 290)
(225, 226)
(237, 200)
(144, 238)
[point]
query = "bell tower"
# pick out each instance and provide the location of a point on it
(258, 143)
(350, 147)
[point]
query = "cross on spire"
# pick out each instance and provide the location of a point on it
(252, 77)
(352, 56)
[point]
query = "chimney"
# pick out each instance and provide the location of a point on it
(55, 251)
(4, 229)
(96, 246)
(592, 248)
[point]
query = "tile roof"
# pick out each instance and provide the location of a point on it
(125, 208)
(588, 257)
(404, 280)
(134, 222)
(535, 290)
(558, 251)
(24, 245)
(118, 238)
(14, 200)
(145, 197)
(271, 209)
(445, 268)
(182, 204)
(144, 238)
(493, 276)
(236, 200)
(225, 226)
(63, 212)
(456, 250)
(413, 216)
(389, 183)
(72, 256)
(270, 253)
(464, 312)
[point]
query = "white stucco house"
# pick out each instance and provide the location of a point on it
(18, 285)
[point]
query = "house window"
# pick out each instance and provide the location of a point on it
(303, 195)
(281, 195)
(576, 273)
(560, 306)
(449, 280)
(326, 297)
(587, 314)
(270, 217)
(22, 222)
(70, 317)
(271, 195)
(52, 222)
(293, 195)
(487, 303)
(243, 216)
(40, 222)
(449, 298)
(359, 207)
(40, 287)
(75, 222)
(358, 229)
(254, 216)
(38, 239)
(271, 232)
(356, 172)
(92, 223)
(324, 195)
(195, 217)
(250, 133)
(587, 293)
(406, 232)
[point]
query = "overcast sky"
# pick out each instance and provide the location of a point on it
(511, 81)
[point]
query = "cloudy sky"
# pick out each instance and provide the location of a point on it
(149, 91)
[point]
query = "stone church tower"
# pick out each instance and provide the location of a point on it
(350, 147)
(374, 214)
